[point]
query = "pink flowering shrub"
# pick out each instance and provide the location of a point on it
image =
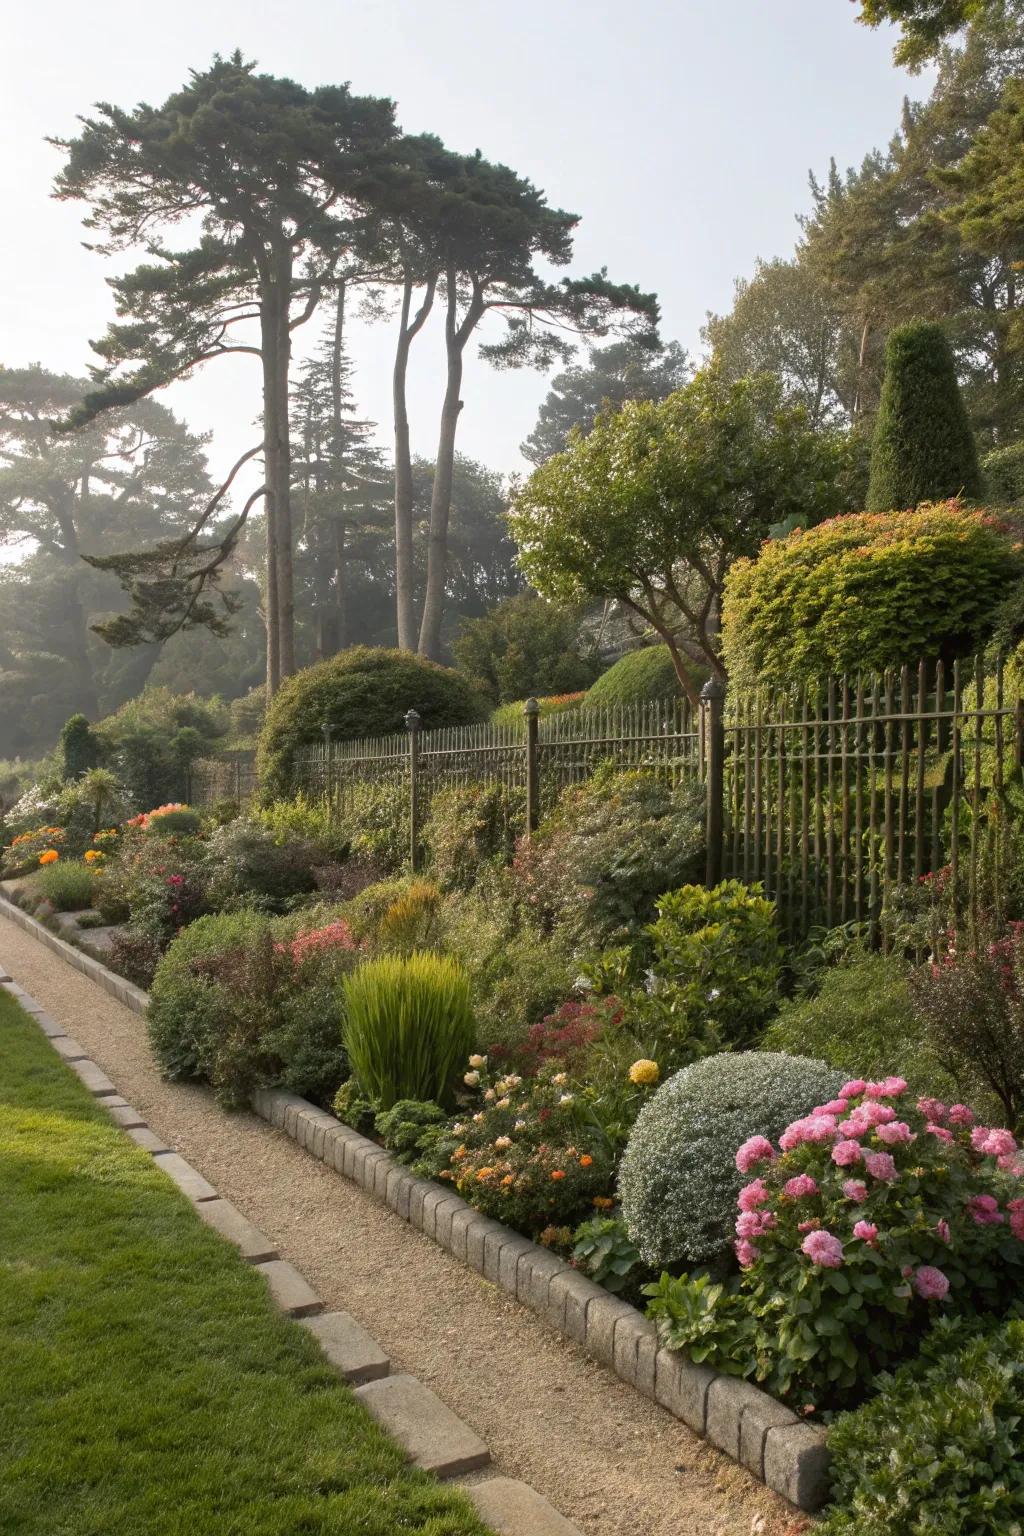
(873, 1216)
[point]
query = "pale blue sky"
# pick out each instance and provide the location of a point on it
(681, 132)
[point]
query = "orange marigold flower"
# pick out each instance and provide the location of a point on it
(558, 1173)
(484, 1173)
(509, 1178)
(603, 1203)
(49, 857)
(586, 1160)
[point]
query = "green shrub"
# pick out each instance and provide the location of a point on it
(359, 692)
(245, 1001)
(469, 826)
(862, 1021)
(151, 740)
(172, 821)
(248, 862)
(922, 448)
(80, 748)
(1003, 473)
(86, 805)
(525, 646)
(716, 960)
(866, 592)
(938, 1448)
(405, 1126)
(678, 1181)
(513, 716)
(373, 820)
(604, 1251)
(598, 863)
(408, 1027)
(68, 886)
(517, 974)
(306, 821)
(645, 676)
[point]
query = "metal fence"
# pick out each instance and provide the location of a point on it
(829, 795)
(212, 779)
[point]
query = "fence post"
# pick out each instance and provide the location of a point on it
(712, 708)
(412, 725)
(532, 712)
(238, 781)
(327, 730)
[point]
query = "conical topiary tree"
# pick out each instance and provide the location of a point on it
(923, 448)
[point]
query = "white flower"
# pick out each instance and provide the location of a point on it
(583, 984)
(560, 1078)
(490, 1094)
(478, 1117)
(458, 1130)
(501, 1142)
(471, 1079)
(652, 983)
(503, 1103)
(478, 1061)
(566, 1098)
(520, 1125)
(714, 995)
(512, 1082)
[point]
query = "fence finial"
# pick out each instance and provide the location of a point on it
(714, 688)
(412, 720)
(531, 707)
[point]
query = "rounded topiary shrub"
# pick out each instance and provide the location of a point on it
(646, 676)
(678, 1181)
(866, 592)
(360, 692)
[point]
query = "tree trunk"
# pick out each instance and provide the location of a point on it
(79, 659)
(339, 554)
(456, 337)
(404, 574)
(275, 337)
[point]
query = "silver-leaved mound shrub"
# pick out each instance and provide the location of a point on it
(678, 1181)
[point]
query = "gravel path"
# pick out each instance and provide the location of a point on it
(612, 1461)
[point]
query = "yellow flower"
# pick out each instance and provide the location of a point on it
(49, 857)
(92, 854)
(644, 1073)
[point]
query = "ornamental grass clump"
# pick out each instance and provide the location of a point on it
(408, 1027)
(678, 1181)
(68, 885)
(872, 1216)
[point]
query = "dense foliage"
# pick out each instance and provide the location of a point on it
(866, 592)
(245, 1001)
(360, 692)
(678, 1181)
(525, 647)
(923, 448)
(644, 676)
(938, 1449)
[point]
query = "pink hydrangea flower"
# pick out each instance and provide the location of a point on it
(942, 1229)
(814, 1129)
(856, 1190)
(1016, 1210)
(853, 1089)
(999, 1143)
(846, 1153)
(833, 1107)
(755, 1223)
(811, 1225)
(756, 1149)
(866, 1231)
(939, 1132)
(746, 1252)
(752, 1195)
(984, 1210)
(1011, 1163)
(933, 1109)
(823, 1248)
(880, 1166)
(895, 1133)
(893, 1087)
(959, 1114)
(931, 1283)
(979, 1136)
(799, 1187)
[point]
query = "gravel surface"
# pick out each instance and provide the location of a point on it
(610, 1460)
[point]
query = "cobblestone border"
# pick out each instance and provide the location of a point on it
(788, 1454)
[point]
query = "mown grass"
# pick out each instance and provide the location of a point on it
(147, 1385)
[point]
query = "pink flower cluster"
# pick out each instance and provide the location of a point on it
(756, 1149)
(336, 935)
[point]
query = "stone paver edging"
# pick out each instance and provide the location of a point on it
(785, 1452)
(432, 1436)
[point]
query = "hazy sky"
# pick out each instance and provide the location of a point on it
(682, 132)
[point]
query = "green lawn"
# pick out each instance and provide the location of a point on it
(148, 1387)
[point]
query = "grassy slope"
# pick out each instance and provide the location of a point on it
(147, 1384)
